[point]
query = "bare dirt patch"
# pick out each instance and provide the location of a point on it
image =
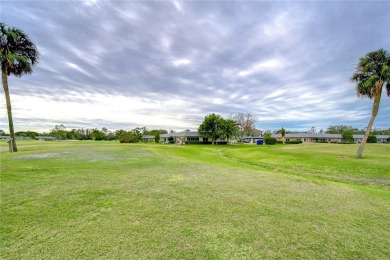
(43, 155)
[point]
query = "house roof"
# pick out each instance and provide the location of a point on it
(182, 134)
(148, 136)
(307, 135)
(298, 135)
(251, 137)
(45, 137)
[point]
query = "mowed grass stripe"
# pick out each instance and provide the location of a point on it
(108, 200)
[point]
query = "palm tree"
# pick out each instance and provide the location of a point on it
(371, 74)
(18, 55)
(283, 133)
(230, 129)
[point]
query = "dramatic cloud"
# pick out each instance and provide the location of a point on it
(167, 64)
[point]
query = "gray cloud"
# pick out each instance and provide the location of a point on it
(288, 63)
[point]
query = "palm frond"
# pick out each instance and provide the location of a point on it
(371, 73)
(18, 53)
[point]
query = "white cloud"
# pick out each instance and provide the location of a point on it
(179, 62)
(76, 67)
(278, 26)
(90, 2)
(275, 94)
(178, 6)
(218, 101)
(262, 66)
(75, 106)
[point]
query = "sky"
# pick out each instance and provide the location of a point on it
(168, 64)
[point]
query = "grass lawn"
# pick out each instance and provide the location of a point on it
(91, 200)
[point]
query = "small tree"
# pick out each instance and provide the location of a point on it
(338, 129)
(212, 127)
(59, 131)
(283, 133)
(269, 140)
(246, 122)
(138, 132)
(230, 129)
(348, 136)
(372, 139)
(128, 138)
(97, 135)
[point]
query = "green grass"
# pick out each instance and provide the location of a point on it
(91, 200)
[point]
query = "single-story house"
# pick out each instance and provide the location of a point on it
(187, 137)
(46, 138)
(382, 138)
(309, 138)
(17, 137)
(195, 137)
(324, 138)
(251, 139)
(148, 138)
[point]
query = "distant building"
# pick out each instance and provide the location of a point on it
(251, 139)
(195, 137)
(46, 138)
(188, 137)
(324, 138)
(148, 138)
(17, 137)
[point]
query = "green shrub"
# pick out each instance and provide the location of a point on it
(347, 136)
(372, 139)
(194, 142)
(269, 140)
(128, 138)
(205, 142)
(294, 142)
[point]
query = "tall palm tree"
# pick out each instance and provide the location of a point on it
(18, 54)
(372, 72)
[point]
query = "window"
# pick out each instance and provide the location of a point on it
(205, 139)
(193, 139)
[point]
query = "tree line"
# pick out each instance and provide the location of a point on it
(235, 126)
(61, 133)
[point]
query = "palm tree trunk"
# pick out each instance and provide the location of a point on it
(9, 111)
(375, 108)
